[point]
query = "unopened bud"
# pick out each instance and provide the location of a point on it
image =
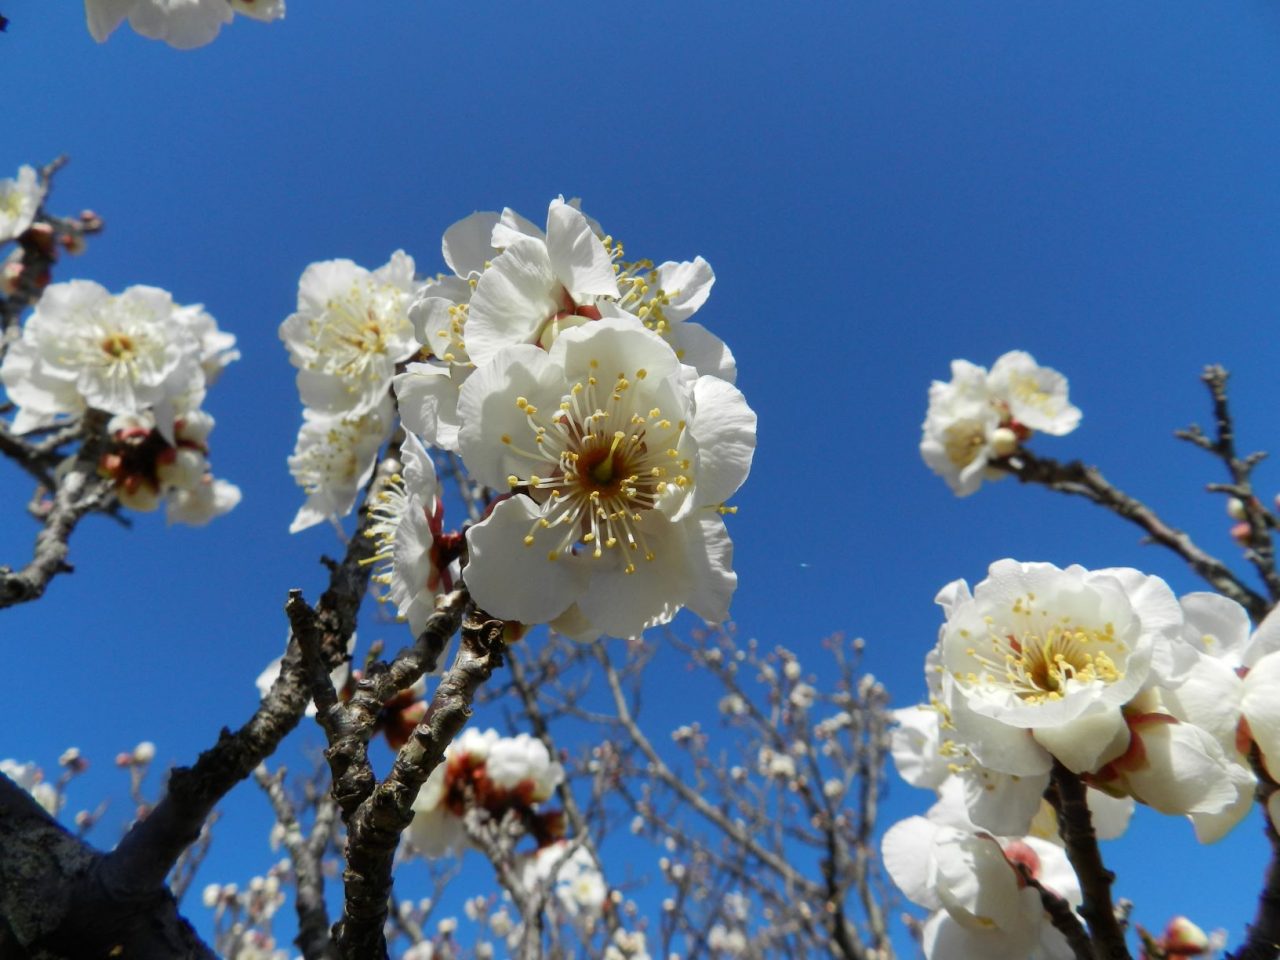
(1003, 441)
(1235, 508)
(137, 494)
(73, 243)
(1241, 534)
(144, 752)
(1182, 938)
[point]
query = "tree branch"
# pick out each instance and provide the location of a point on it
(1075, 478)
(1067, 794)
(80, 491)
(375, 825)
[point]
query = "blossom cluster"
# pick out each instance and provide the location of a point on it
(147, 361)
(980, 417)
(1104, 675)
(574, 387)
(183, 24)
(488, 771)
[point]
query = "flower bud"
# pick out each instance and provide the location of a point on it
(144, 752)
(1235, 508)
(1003, 441)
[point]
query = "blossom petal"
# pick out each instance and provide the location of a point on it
(709, 555)
(104, 16)
(686, 285)
(488, 412)
(512, 581)
(623, 604)
(578, 256)
(725, 430)
(466, 244)
(1088, 741)
(906, 852)
(1260, 703)
(428, 402)
(512, 300)
(704, 351)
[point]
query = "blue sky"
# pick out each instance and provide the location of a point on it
(880, 187)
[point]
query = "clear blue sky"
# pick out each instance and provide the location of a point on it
(880, 187)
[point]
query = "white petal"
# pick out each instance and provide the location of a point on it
(709, 558)
(428, 401)
(703, 350)
(513, 299)
(1212, 827)
(906, 854)
(1088, 741)
(512, 227)
(623, 604)
(725, 430)
(578, 256)
(515, 582)
(1215, 625)
(1260, 703)
(614, 347)
(1001, 802)
(1210, 698)
(488, 412)
(687, 286)
(466, 245)
(1185, 770)
(104, 16)
(1110, 815)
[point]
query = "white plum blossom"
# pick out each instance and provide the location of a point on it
(20, 198)
(545, 282)
(979, 417)
(1178, 768)
(619, 461)
(350, 330)
(149, 466)
(406, 516)
(1039, 661)
(436, 829)
(483, 768)
(982, 907)
(574, 876)
(521, 763)
(207, 500)
(125, 353)
(333, 459)
(183, 24)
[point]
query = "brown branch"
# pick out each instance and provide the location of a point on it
(79, 491)
(1077, 479)
(313, 917)
(1061, 915)
(1263, 940)
(43, 871)
(374, 825)
(1261, 549)
(1067, 794)
(139, 865)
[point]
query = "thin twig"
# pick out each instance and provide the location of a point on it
(1077, 479)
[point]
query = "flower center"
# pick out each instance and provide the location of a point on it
(119, 346)
(963, 441)
(353, 335)
(611, 459)
(1043, 661)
